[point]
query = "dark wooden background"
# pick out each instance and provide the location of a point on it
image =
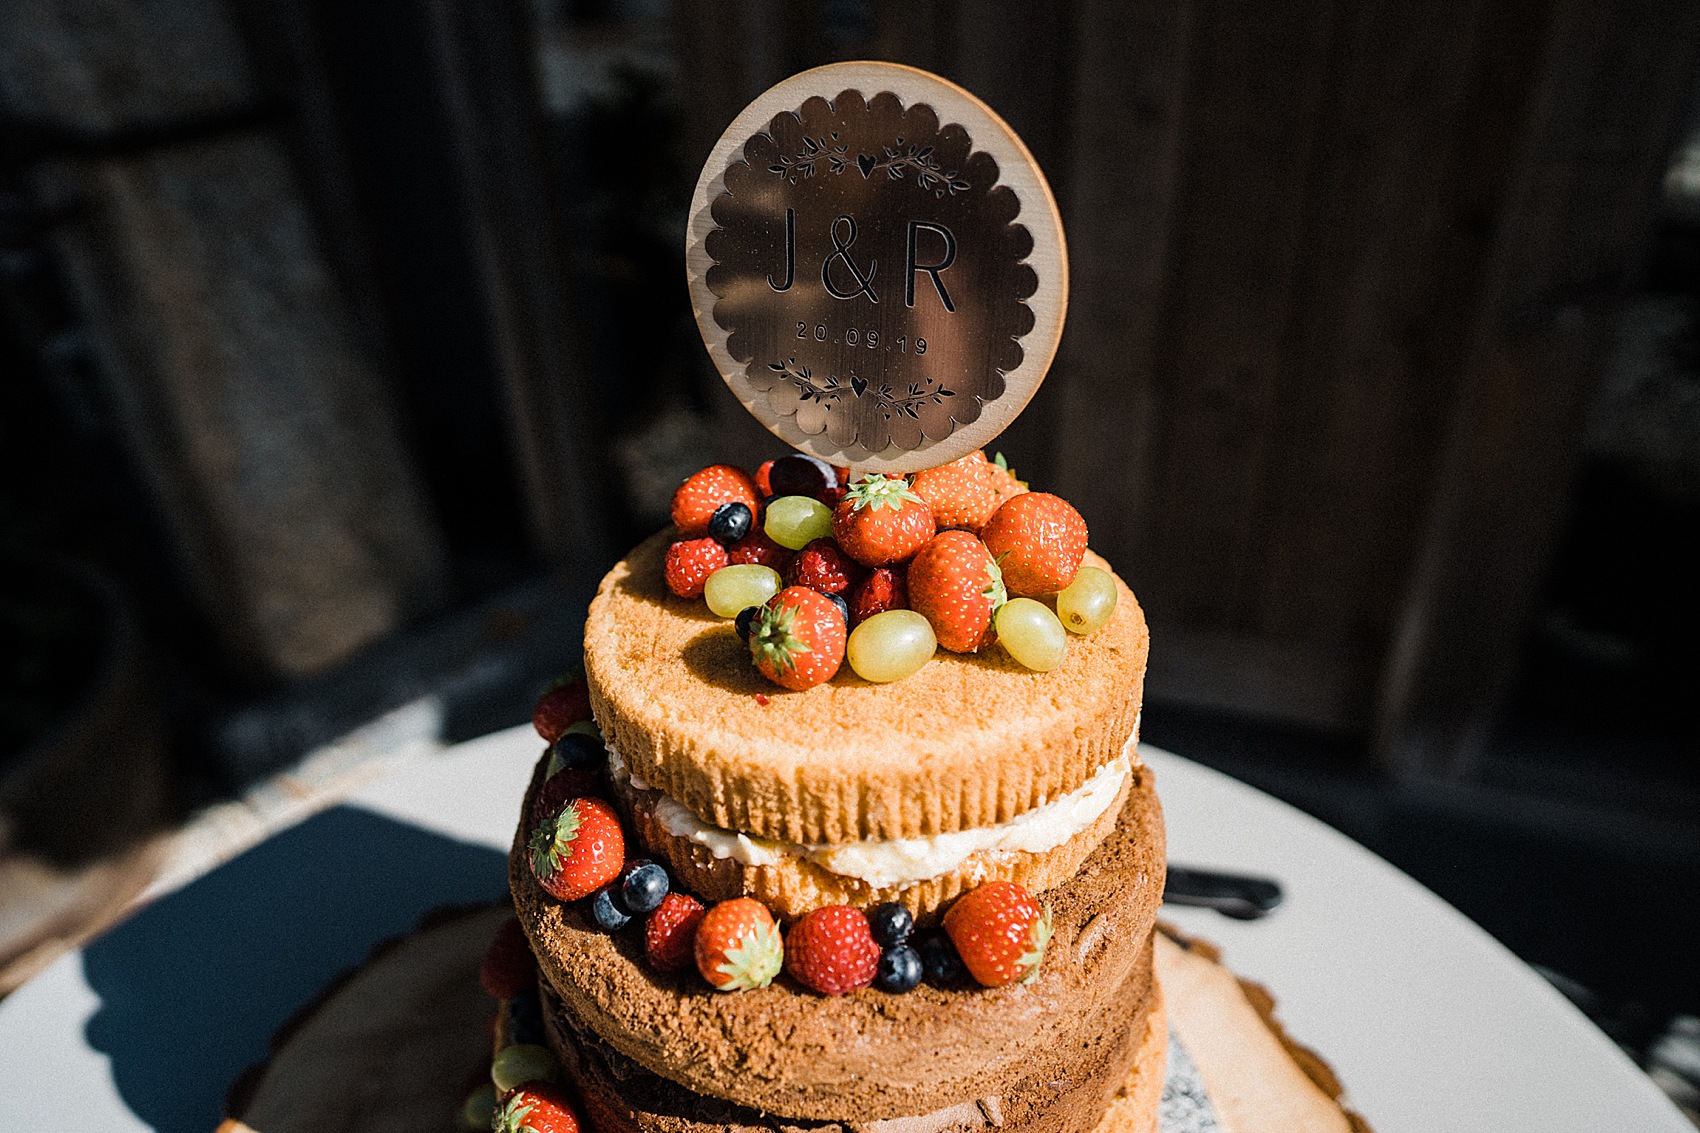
(1343, 273)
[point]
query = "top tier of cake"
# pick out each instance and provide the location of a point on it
(970, 741)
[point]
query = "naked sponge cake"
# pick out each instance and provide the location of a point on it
(875, 835)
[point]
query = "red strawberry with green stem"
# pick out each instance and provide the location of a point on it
(536, 1107)
(832, 950)
(706, 492)
(738, 947)
(956, 585)
(797, 639)
(577, 849)
(881, 521)
(1000, 932)
(1038, 540)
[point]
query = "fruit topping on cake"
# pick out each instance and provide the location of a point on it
(957, 586)
(1038, 540)
(689, 564)
(577, 849)
(738, 946)
(882, 590)
(536, 1107)
(965, 492)
(567, 702)
(832, 950)
(1000, 932)
(669, 936)
(823, 566)
(881, 521)
(797, 639)
(891, 645)
(953, 543)
(705, 493)
(796, 521)
(522, 1064)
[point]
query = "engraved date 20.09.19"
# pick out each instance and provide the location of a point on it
(870, 338)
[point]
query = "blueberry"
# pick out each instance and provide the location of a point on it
(843, 608)
(891, 923)
(730, 522)
(525, 1018)
(745, 623)
(800, 475)
(577, 751)
(605, 906)
(939, 959)
(643, 884)
(899, 970)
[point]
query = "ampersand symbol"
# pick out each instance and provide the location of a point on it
(864, 283)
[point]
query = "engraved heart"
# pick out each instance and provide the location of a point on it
(866, 162)
(860, 385)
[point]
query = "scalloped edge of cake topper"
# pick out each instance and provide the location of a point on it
(1017, 169)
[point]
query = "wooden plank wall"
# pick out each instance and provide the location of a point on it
(1292, 238)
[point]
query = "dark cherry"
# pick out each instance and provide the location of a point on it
(800, 475)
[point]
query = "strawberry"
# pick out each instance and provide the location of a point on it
(763, 479)
(706, 492)
(1038, 540)
(823, 567)
(956, 585)
(565, 703)
(536, 1107)
(797, 640)
(1000, 932)
(757, 548)
(882, 590)
(880, 521)
(690, 562)
(508, 967)
(738, 947)
(832, 950)
(965, 492)
(670, 933)
(577, 849)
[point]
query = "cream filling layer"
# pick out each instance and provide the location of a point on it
(902, 861)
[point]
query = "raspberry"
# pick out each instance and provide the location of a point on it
(670, 933)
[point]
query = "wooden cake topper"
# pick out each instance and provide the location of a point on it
(877, 266)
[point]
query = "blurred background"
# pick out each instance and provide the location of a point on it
(345, 344)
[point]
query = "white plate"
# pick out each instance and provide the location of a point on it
(1430, 1023)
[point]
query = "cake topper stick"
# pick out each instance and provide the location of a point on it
(877, 266)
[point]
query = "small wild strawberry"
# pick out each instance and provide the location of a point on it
(690, 562)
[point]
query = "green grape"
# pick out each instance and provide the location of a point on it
(1087, 602)
(890, 646)
(479, 1108)
(521, 1062)
(1032, 634)
(794, 521)
(731, 588)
